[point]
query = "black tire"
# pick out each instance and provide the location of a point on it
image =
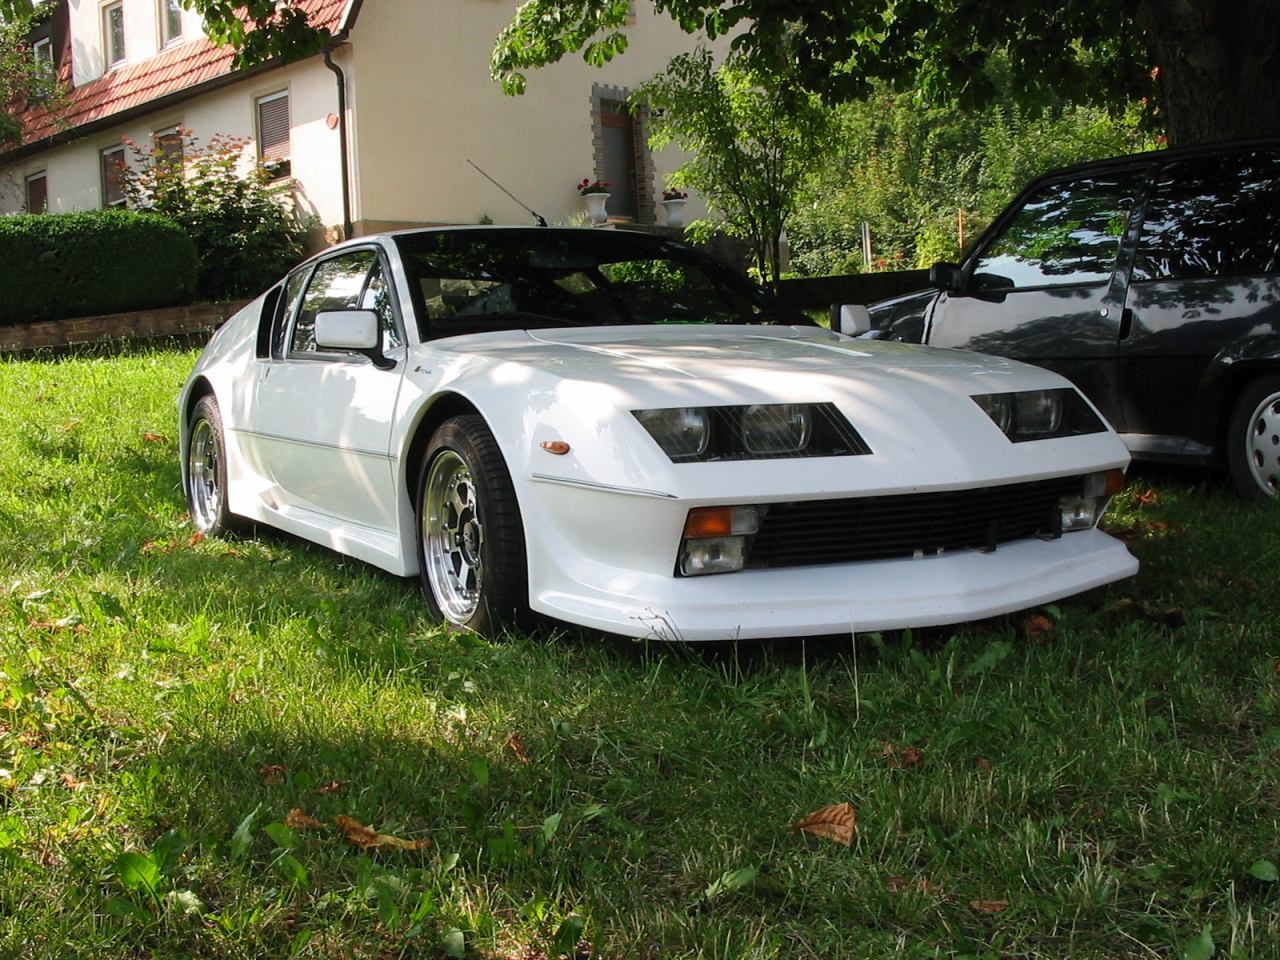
(471, 547)
(206, 472)
(1253, 440)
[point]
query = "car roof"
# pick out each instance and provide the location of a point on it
(1149, 157)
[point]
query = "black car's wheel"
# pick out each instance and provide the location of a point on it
(470, 538)
(1253, 440)
(207, 471)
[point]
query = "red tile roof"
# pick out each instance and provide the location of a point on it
(171, 71)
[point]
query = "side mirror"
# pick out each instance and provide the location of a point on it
(851, 319)
(355, 330)
(945, 276)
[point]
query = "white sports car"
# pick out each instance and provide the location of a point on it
(608, 429)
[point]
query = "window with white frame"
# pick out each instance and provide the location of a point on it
(170, 21)
(112, 166)
(42, 50)
(272, 117)
(113, 33)
(37, 193)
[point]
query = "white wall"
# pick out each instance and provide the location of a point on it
(425, 105)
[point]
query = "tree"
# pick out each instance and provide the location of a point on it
(24, 80)
(1209, 70)
(752, 139)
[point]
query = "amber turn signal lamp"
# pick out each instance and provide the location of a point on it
(709, 522)
(558, 447)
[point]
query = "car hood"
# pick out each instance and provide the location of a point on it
(910, 404)
(779, 361)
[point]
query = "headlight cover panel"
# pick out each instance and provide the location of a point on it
(1040, 414)
(760, 431)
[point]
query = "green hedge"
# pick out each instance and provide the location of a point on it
(83, 264)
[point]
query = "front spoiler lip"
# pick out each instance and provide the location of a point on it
(848, 598)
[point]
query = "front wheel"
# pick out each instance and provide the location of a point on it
(471, 546)
(207, 471)
(1253, 440)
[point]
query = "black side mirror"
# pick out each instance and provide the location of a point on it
(945, 276)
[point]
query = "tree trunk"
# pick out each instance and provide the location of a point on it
(1219, 66)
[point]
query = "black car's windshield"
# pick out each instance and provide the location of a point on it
(473, 281)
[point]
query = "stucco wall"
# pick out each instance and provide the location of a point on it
(425, 105)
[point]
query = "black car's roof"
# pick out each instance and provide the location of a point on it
(1149, 157)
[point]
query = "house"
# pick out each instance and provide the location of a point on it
(388, 128)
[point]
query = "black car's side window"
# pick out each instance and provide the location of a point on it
(1066, 233)
(336, 284)
(1212, 217)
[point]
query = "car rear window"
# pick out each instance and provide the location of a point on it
(1212, 217)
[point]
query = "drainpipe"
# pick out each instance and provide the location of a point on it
(342, 134)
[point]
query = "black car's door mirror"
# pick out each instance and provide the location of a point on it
(354, 330)
(945, 276)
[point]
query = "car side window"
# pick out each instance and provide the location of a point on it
(1212, 217)
(287, 305)
(1066, 233)
(337, 284)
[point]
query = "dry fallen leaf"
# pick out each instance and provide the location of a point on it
(516, 746)
(150, 437)
(366, 838)
(1040, 629)
(297, 820)
(333, 786)
(984, 764)
(195, 538)
(836, 822)
(923, 884)
(72, 783)
(911, 757)
(990, 906)
(271, 773)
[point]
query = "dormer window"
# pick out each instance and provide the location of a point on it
(170, 21)
(42, 50)
(113, 33)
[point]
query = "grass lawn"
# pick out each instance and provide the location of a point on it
(183, 723)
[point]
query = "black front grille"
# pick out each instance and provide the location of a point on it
(902, 525)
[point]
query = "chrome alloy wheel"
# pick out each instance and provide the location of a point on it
(452, 538)
(202, 476)
(1262, 444)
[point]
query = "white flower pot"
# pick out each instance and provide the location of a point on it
(675, 212)
(596, 213)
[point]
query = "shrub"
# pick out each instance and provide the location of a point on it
(102, 261)
(245, 231)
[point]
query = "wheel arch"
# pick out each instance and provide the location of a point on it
(435, 412)
(1218, 394)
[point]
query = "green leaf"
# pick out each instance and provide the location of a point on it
(167, 853)
(453, 943)
(243, 837)
(1264, 870)
(730, 881)
(550, 826)
(138, 872)
(126, 910)
(565, 941)
(282, 836)
(292, 870)
(1202, 947)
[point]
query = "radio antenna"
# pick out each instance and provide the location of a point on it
(533, 213)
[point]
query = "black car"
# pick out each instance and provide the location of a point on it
(1151, 281)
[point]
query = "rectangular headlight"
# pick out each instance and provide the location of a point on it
(1040, 414)
(757, 431)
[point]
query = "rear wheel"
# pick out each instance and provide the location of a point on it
(1253, 440)
(207, 471)
(470, 538)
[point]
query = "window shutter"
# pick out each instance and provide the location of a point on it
(273, 127)
(37, 194)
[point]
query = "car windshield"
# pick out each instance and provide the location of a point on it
(475, 281)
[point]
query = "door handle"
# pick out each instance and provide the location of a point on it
(1126, 323)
